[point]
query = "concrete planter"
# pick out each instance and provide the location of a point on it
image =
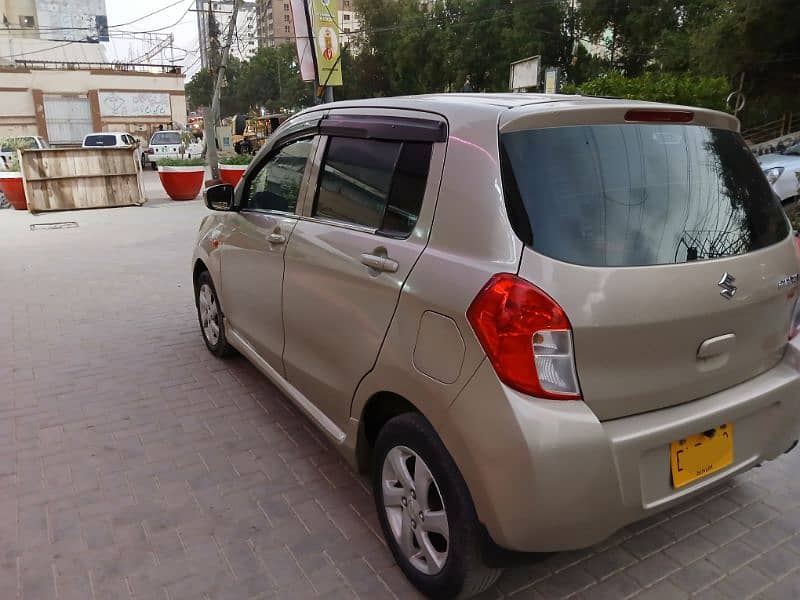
(232, 173)
(11, 186)
(182, 183)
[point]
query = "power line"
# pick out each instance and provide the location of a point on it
(155, 12)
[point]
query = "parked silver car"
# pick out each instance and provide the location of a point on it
(532, 319)
(783, 172)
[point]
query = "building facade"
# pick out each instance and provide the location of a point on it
(275, 25)
(246, 33)
(67, 20)
(64, 105)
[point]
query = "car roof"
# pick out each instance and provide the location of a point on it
(461, 107)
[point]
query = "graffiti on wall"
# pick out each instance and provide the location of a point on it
(134, 104)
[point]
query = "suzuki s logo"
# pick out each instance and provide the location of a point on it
(728, 290)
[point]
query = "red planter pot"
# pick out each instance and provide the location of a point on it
(11, 186)
(231, 173)
(182, 183)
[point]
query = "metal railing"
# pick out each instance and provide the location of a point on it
(62, 65)
(788, 124)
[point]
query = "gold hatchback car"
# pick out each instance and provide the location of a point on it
(533, 319)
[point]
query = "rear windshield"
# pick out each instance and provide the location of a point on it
(23, 143)
(625, 195)
(100, 140)
(165, 137)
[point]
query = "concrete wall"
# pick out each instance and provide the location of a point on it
(21, 113)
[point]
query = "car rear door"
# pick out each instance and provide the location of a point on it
(667, 250)
(365, 223)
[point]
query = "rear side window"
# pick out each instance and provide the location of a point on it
(626, 195)
(100, 140)
(162, 138)
(373, 183)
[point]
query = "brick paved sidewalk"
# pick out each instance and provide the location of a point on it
(133, 464)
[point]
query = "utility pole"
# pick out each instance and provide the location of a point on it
(210, 121)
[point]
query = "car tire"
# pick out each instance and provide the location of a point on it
(209, 315)
(154, 166)
(441, 557)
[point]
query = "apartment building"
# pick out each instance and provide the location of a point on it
(275, 26)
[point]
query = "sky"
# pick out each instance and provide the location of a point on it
(124, 47)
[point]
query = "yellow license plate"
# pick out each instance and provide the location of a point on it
(701, 454)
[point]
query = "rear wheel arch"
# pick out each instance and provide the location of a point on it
(378, 410)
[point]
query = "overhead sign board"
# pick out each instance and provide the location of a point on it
(325, 36)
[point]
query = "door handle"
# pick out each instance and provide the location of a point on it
(379, 263)
(276, 238)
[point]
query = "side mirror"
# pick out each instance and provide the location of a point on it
(220, 197)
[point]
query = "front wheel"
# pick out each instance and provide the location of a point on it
(426, 511)
(212, 325)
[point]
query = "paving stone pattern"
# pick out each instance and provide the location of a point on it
(133, 464)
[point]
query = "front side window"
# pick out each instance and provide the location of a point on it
(276, 185)
(374, 183)
(638, 195)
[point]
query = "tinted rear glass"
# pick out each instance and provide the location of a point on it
(24, 143)
(166, 137)
(100, 140)
(624, 195)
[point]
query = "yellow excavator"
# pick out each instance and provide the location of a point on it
(250, 133)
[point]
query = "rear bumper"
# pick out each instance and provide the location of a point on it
(548, 475)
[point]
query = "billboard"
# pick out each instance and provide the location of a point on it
(524, 74)
(325, 36)
(72, 20)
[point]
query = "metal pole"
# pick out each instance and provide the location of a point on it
(210, 122)
(328, 94)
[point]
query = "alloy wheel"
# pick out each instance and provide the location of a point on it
(209, 314)
(415, 510)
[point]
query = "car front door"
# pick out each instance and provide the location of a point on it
(254, 243)
(363, 228)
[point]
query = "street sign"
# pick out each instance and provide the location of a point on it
(552, 80)
(325, 31)
(524, 74)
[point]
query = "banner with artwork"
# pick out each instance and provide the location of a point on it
(325, 36)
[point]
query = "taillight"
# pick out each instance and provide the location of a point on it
(526, 336)
(794, 328)
(151, 151)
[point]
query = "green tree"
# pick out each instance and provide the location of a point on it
(691, 90)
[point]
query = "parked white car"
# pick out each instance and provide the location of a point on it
(33, 142)
(109, 139)
(164, 144)
(783, 172)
